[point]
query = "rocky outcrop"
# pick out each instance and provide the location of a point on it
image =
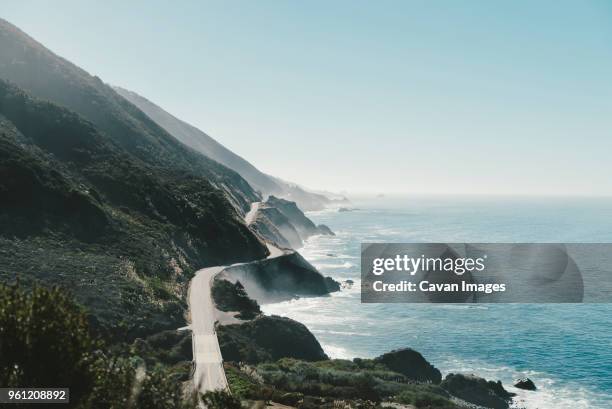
(477, 390)
(281, 222)
(332, 285)
(281, 278)
(268, 339)
(411, 364)
(274, 227)
(304, 226)
(323, 229)
(525, 383)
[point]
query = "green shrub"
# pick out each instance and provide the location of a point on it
(233, 297)
(45, 342)
(243, 386)
(220, 400)
(426, 397)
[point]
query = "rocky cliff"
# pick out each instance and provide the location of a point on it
(268, 338)
(281, 221)
(281, 278)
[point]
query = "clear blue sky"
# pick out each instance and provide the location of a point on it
(407, 96)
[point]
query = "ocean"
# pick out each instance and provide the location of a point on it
(565, 349)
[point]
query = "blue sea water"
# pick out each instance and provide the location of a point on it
(565, 349)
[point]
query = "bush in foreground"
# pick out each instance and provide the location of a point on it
(45, 342)
(220, 400)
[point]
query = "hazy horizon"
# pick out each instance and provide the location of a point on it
(394, 97)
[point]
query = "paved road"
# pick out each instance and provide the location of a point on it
(209, 374)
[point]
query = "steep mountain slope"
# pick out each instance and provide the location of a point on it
(80, 211)
(45, 75)
(200, 141)
(281, 222)
(304, 226)
(274, 226)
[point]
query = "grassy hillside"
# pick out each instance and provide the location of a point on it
(78, 210)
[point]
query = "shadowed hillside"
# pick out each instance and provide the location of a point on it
(79, 211)
(201, 142)
(45, 75)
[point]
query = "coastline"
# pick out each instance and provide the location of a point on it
(356, 337)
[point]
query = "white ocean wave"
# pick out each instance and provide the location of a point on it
(333, 265)
(349, 333)
(551, 393)
(337, 318)
(337, 352)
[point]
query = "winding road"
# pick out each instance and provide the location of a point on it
(209, 374)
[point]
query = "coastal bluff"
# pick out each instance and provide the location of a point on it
(281, 278)
(281, 222)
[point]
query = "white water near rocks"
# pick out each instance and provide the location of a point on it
(565, 349)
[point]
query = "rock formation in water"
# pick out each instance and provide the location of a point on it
(477, 390)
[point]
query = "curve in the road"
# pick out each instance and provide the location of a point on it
(209, 374)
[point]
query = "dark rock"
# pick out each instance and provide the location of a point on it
(268, 339)
(276, 228)
(304, 226)
(477, 390)
(323, 229)
(412, 364)
(347, 284)
(282, 278)
(525, 383)
(281, 222)
(332, 285)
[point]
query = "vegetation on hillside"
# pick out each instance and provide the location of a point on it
(361, 383)
(230, 296)
(78, 211)
(268, 338)
(96, 197)
(41, 73)
(220, 400)
(45, 341)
